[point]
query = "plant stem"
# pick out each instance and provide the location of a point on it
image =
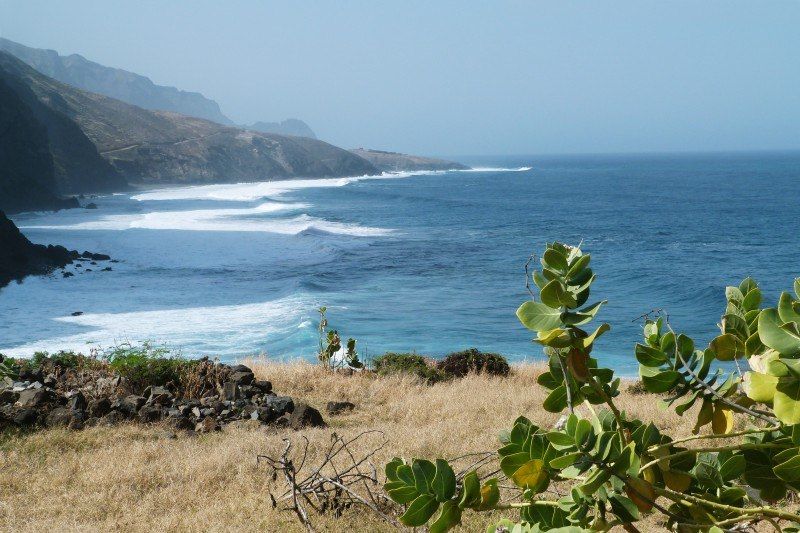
(714, 436)
(766, 511)
(519, 505)
(730, 447)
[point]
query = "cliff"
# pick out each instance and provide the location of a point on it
(27, 172)
(395, 162)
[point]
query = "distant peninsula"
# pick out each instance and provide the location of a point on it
(396, 162)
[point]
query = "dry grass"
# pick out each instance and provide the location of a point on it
(134, 478)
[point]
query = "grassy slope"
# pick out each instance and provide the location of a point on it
(135, 479)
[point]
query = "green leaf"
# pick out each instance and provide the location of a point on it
(786, 402)
(530, 475)
(470, 491)
(554, 260)
(733, 294)
(555, 295)
(759, 387)
(586, 342)
(650, 356)
(797, 287)
(449, 517)
(565, 460)
(727, 347)
(420, 510)
(655, 381)
(733, 468)
(624, 508)
(774, 335)
(538, 316)
(444, 482)
(556, 401)
(560, 440)
(752, 299)
(584, 316)
(789, 471)
(788, 308)
(400, 492)
(511, 463)
(579, 264)
(391, 468)
(424, 471)
(747, 285)
(490, 495)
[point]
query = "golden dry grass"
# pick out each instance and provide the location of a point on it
(134, 478)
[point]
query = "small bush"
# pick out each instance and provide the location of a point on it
(406, 363)
(459, 364)
(145, 365)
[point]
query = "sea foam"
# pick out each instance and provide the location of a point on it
(219, 330)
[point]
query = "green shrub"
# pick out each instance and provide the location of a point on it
(144, 365)
(459, 364)
(406, 363)
(613, 470)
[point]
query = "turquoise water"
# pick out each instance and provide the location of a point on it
(427, 262)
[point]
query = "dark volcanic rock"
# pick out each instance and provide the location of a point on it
(335, 408)
(304, 416)
(20, 257)
(35, 398)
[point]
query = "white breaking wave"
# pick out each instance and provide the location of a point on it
(220, 330)
(246, 192)
(222, 220)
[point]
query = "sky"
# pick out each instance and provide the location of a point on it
(461, 77)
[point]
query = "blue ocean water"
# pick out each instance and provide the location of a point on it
(431, 262)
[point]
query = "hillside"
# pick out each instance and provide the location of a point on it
(291, 126)
(116, 83)
(394, 162)
(149, 147)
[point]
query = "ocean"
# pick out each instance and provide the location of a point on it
(425, 262)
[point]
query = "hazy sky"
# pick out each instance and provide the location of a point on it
(461, 77)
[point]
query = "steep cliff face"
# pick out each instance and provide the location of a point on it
(394, 162)
(19, 257)
(78, 167)
(291, 126)
(116, 83)
(161, 147)
(27, 174)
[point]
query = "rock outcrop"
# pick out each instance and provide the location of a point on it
(215, 395)
(396, 162)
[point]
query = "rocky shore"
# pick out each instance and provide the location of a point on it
(19, 257)
(209, 396)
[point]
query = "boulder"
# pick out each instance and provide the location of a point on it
(60, 417)
(241, 377)
(263, 386)
(159, 395)
(230, 389)
(149, 413)
(279, 405)
(19, 416)
(99, 407)
(8, 396)
(112, 418)
(304, 416)
(131, 404)
(34, 398)
(76, 401)
(180, 422)
(335, 408)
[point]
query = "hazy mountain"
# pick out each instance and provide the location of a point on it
(394, 162)
(163, 147)
(116, 83)
(291, 126)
